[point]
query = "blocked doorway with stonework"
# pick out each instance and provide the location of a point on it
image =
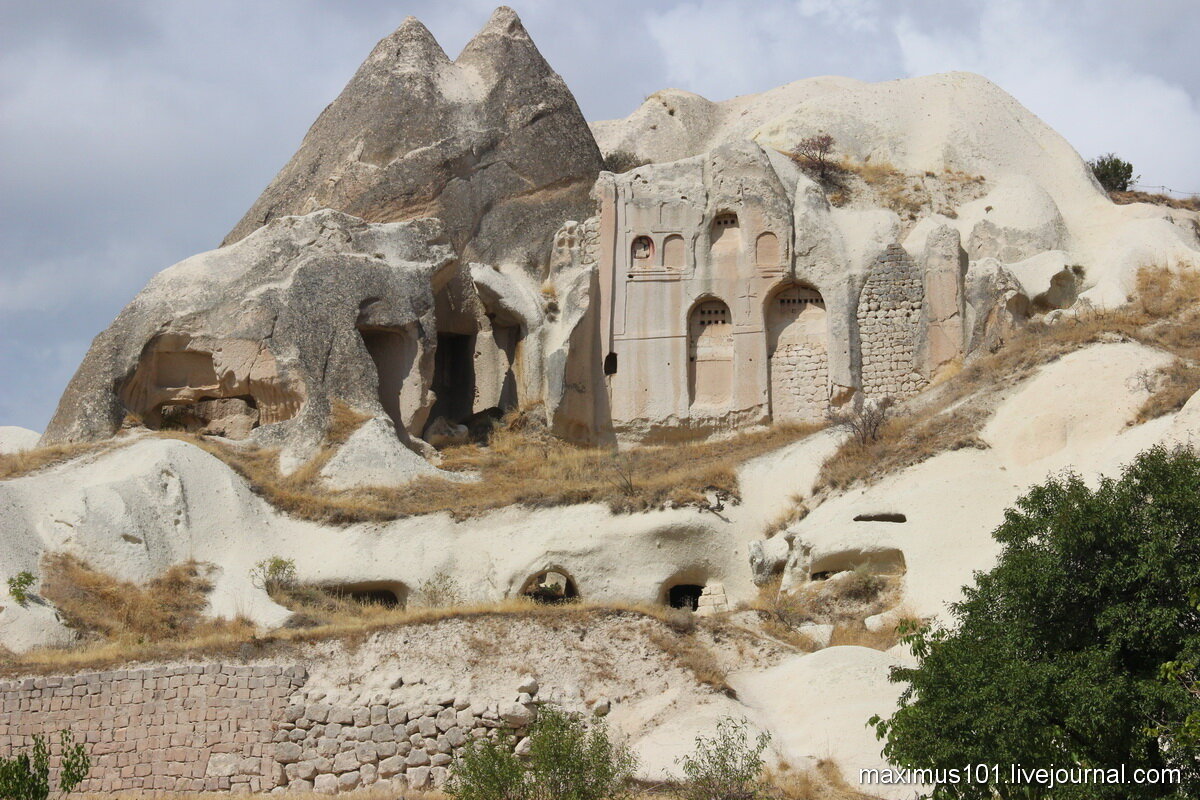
(797, 344)
(710, 355)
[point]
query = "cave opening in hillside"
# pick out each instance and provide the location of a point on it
(376, 593)
(454, 377)
(551, 587)
(393, 352)
(685, 595)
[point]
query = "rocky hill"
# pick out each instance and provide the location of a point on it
(454, 409)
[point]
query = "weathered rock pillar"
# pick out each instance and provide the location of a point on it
(944, 322)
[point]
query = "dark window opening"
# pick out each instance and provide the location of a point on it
(610, 364)
(685, 595)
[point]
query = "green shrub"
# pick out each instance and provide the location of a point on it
(726, 766)
(572, 761)
(26, 775)
(1114, 174)
(19, 586)
(274, 573)
(1077, 649)
(487, 769)
(567, 760)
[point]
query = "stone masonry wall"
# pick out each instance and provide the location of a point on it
(889, 320)
(180, 729)
(254, 729)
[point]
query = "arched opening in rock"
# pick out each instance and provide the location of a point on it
(550, 586)
(710, 354)
(881, 517)
(685, 595)
(394, 353)
(798, 354)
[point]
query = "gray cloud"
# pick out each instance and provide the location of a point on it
(134, 133)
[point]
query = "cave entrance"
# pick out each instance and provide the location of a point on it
(394, 353)
(454, 377)
(550, 587)
(685, 595)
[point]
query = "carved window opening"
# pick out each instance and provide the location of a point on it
(641, 251)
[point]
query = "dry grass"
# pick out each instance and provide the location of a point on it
(693, 656)
(796, 510)
(1165, 314)
(15, 465)
(521, 465)
(822, 782)
(100, 607)
(330, 618)
(1170, 387)
(910, 195)
(1124, 198)
(843, 601)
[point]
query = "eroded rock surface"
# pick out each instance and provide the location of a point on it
(492, 143)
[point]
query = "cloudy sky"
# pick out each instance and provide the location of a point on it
(134, 133)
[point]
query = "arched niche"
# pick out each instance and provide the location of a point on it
(798, 352)
(766, 250)
(550, 586)
(674, 253)
(726, 238)
(710, 354)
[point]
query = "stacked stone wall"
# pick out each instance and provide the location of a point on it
(889, 321)
(799, 381)
(213, 728)
(178, 729)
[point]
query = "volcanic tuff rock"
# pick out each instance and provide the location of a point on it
(492, 143)
(278, 321)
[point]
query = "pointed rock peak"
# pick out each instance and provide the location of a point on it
(504, 22)
(411, 45)
(502, 35)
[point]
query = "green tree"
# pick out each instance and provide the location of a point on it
(1115, 174)
(1059, 656)
(26, 775)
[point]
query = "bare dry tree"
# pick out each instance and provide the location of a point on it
(817, 154)
(864, 420)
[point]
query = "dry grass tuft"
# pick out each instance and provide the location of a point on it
(694, 657)
(1164, 315)
(520, 465)
(99, 606)
(15, 465)
(821, 782)
(1124, 198)
(1170, 388)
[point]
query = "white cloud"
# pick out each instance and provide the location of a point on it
(1098, 101)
